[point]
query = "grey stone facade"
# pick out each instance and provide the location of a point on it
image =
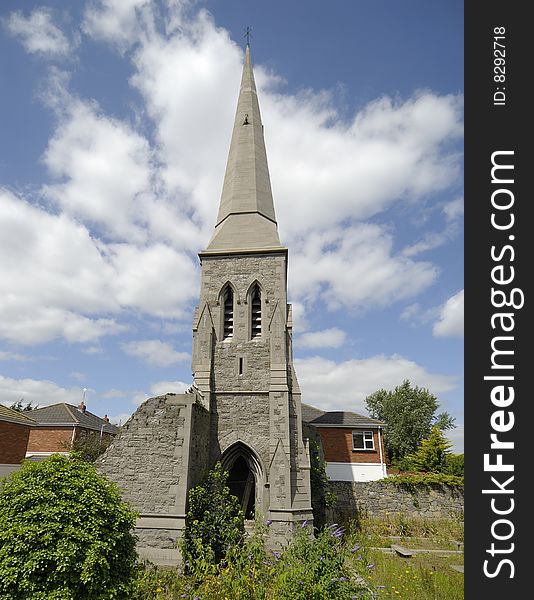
(159, 454)
(245, 407)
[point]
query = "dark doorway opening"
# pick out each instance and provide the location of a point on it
(242, 485)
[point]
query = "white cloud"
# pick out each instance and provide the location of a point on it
(37, 33)
(38, 392)
(115, 21)
(327, 338)
(451, 318)
(155, 352)
(154, 203)
(57, 281)
(105, 168)
(345, 385)
(160, 388)
(324, 267)
(4, 355)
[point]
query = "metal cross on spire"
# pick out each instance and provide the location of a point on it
(248, 34)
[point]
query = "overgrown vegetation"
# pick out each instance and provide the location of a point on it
(90, 447)
(322, 567)
(214, 522)
(335, 564)
(65, 534)
(322, 497)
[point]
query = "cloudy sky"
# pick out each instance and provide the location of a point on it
(115, 121)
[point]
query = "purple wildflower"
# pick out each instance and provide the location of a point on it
(276, 554)
(267, 564)
(300, 582)
(333, 580)
(371, 566)
(338, 532)
(383, 587)
(332, 526)
(268, 522)
(357, 547)
(343, 579)
(304, 523)
(249, 556)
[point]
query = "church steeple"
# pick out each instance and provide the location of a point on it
(246, 219)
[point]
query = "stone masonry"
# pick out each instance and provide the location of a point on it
(244, 408)
(377, 499)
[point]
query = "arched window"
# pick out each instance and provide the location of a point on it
(255, 311)
(228, 313)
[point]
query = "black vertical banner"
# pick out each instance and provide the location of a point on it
(499, 250)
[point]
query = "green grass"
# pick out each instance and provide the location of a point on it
(326, 568)
(420, 577)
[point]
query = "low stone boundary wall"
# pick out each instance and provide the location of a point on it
(378, 500)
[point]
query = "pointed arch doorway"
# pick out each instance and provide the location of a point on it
(244, 477)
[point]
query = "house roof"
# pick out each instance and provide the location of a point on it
(15, 416)
(68, 415)
(336, 418)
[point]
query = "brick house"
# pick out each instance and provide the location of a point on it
(353, 444)
(15, 430)
(59, 425)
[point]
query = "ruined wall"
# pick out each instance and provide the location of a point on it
(378, 499)
(159, 453)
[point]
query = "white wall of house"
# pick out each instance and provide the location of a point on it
(338, 471)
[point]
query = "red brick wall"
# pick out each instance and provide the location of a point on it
(50, 439)
(13, 442)
(337, 445)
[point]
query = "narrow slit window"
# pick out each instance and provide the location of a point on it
(241, 365)
(228, 326)
(255, 302)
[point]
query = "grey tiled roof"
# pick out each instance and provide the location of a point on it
(14, 416)
(318, 417)
(68, 414)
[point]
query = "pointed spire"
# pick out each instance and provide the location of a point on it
(246, 218)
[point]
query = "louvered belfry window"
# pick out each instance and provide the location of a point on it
(255, 302)
(228, 328)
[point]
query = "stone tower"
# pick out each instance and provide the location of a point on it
(242, 338)
(244, 406)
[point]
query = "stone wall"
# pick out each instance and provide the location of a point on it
(378, 499)
(160, 452)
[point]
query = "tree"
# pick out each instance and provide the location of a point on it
(65, 534)
(20, 407)
(409, 414)
(213, 522)
(90, 447)
(431, 456)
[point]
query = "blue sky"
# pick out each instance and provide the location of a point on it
(115, 123)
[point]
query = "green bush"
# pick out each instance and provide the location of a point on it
(213, 524)
(65, 534)
(454, 465)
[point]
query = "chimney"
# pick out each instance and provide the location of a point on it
(106, 418)
(82, 406)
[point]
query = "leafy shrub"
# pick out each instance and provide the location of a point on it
(90, 447)
(214, 522)
(432, 452)
(421, 480)
(321, 497)
(65, 534)
(454, 465)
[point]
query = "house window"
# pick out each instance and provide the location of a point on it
(255, 312)
(228, 314)
(363, 440)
